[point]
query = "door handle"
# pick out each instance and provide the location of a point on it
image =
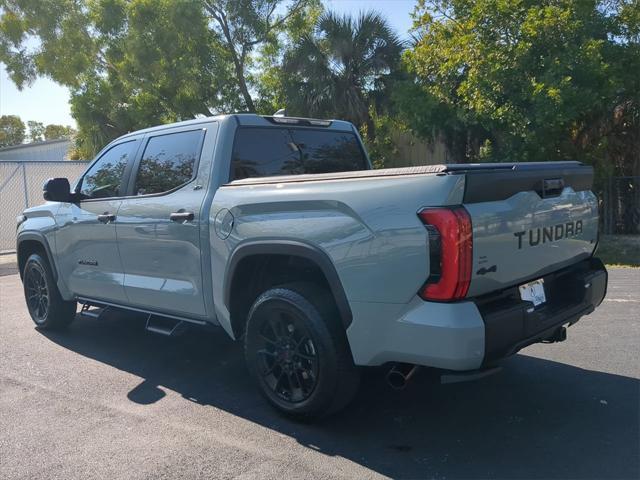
(181, 217)
(106, 217)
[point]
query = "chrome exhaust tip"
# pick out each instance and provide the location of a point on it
(400, 374)
(560, 335)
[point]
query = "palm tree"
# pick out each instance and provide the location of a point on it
(341, 67)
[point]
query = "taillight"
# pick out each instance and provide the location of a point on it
(450, 253)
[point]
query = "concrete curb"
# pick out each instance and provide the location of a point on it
(8, 265)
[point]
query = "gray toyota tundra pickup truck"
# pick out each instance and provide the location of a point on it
(278, 230)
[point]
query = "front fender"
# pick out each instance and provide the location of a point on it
(36, 236)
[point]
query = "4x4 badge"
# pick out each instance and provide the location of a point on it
(484, 271)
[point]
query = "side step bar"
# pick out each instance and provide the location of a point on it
(164, 325)
(156, 324)
(93, 310)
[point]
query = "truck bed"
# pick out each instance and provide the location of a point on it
(528, 219)
(484, 181)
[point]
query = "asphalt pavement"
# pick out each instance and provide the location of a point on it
(108, 400)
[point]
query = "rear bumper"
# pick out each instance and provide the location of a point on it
(471, 334)
(511, 324)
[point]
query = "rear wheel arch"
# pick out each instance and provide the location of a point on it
(254, 267)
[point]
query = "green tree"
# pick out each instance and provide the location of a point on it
(128, 64)
(36, 131)
(342, 67)
(526, 79)
(131, 64)
(268, 76)
(246, 25)
(55, 132)
(12, 131)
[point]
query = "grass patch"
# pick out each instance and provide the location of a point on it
(619, 250)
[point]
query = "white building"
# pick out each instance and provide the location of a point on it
(47, 151)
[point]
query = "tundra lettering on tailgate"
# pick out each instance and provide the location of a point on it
(550, 234)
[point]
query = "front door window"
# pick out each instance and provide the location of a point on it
(104, 178)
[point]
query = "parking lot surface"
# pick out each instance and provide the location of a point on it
(106, 399)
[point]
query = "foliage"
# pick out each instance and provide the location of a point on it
(39, 132)
(163, 64)
(268, 74)
(528, 79)
(432, 119)
(498, 79)
(245, 25)
(128, 64)
(36, 131)
(75, 154)
(12, 130)
(131, 64)
(620, 250)
(341, 68)
(55, 132)
(382, 147)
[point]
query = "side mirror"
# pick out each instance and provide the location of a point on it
(57, 190)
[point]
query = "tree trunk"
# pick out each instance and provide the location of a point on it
(244, 90)
(371, 128)
(238, 58)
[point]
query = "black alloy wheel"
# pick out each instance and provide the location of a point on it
(288, 356)
(46, 306)
(37, 292)
(297, 351)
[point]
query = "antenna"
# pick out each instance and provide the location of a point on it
(280, 113)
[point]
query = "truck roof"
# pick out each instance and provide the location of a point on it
(252, 119)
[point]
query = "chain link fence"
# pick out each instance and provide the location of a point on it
(620, 206)
(21, 187)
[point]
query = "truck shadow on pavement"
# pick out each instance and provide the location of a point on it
(535, 419)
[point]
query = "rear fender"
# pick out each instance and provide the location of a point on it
(295, 249)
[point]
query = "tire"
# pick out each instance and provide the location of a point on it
(47, 308)
(315, 376)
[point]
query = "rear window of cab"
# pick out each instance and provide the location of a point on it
(265, 152)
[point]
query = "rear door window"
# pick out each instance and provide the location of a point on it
(168, 162)
(264, 152)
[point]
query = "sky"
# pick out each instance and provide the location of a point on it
(47, 102)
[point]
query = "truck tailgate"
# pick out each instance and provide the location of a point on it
(528, 220)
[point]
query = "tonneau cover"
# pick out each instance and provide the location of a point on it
(484, 181)
(383, 172)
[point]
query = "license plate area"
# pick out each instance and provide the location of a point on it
(533, 292)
